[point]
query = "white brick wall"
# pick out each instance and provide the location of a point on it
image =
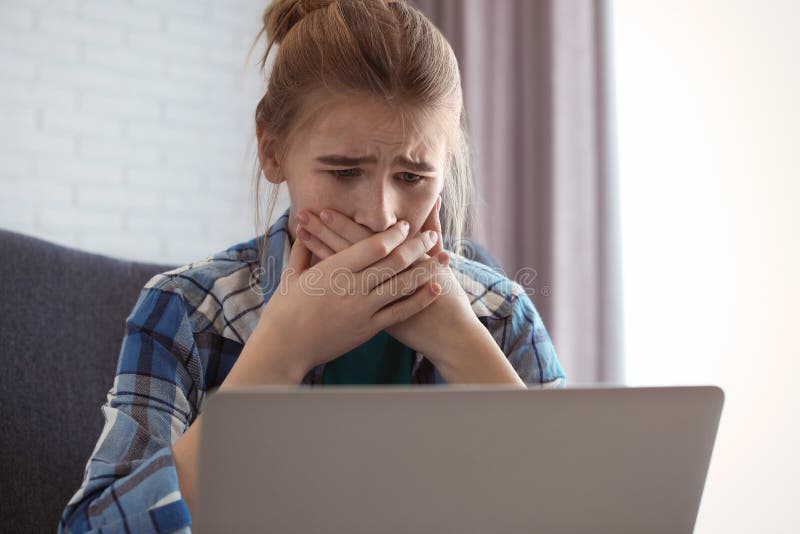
(126, 125)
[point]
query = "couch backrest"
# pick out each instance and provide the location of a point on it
(62, 321)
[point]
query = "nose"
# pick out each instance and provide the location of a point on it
(377, 209)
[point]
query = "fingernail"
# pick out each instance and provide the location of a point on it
(325, 216)
(433, 236)
(404, 226)
(443, 258)
(302, 217)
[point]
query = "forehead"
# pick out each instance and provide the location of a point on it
(364, 125)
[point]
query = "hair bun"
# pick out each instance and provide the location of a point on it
(281, 16)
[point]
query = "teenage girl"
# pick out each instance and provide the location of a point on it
(363, 120)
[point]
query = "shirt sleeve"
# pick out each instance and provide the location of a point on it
(130, 483)
(529, 348)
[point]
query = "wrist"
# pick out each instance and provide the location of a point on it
(266, 359)
(472, 356)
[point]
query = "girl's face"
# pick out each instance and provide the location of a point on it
(354, 158)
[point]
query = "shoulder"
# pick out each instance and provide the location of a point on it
(491, 293)
(215, 291)
(219, 271)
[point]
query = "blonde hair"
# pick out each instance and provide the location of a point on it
(385, 49)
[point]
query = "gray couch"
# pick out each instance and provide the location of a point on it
(62, 321)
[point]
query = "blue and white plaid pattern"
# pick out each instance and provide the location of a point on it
(183, 336)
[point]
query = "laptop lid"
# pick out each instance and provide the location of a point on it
(455, 459)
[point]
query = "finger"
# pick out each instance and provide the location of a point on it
(344, 226)
(405, 308)
(320, 249)
(405, 255)
(432, 222)
(405, 283)
(324, 233)
(366, 252)
(299, 256)
(439, 247)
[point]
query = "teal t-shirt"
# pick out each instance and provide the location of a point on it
(380, 360)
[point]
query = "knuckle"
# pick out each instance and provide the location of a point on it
(426, 241)
(402, 258)
(397, 313)
(383, 248)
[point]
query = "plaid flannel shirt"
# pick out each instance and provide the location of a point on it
(184, 334)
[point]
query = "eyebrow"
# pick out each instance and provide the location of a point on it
(347, 161)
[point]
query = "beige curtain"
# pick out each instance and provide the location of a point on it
(536, 79)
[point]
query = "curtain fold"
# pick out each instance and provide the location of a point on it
(537, 85)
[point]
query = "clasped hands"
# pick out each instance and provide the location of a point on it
(433, 329)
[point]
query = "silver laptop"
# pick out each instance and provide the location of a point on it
(457, 459)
